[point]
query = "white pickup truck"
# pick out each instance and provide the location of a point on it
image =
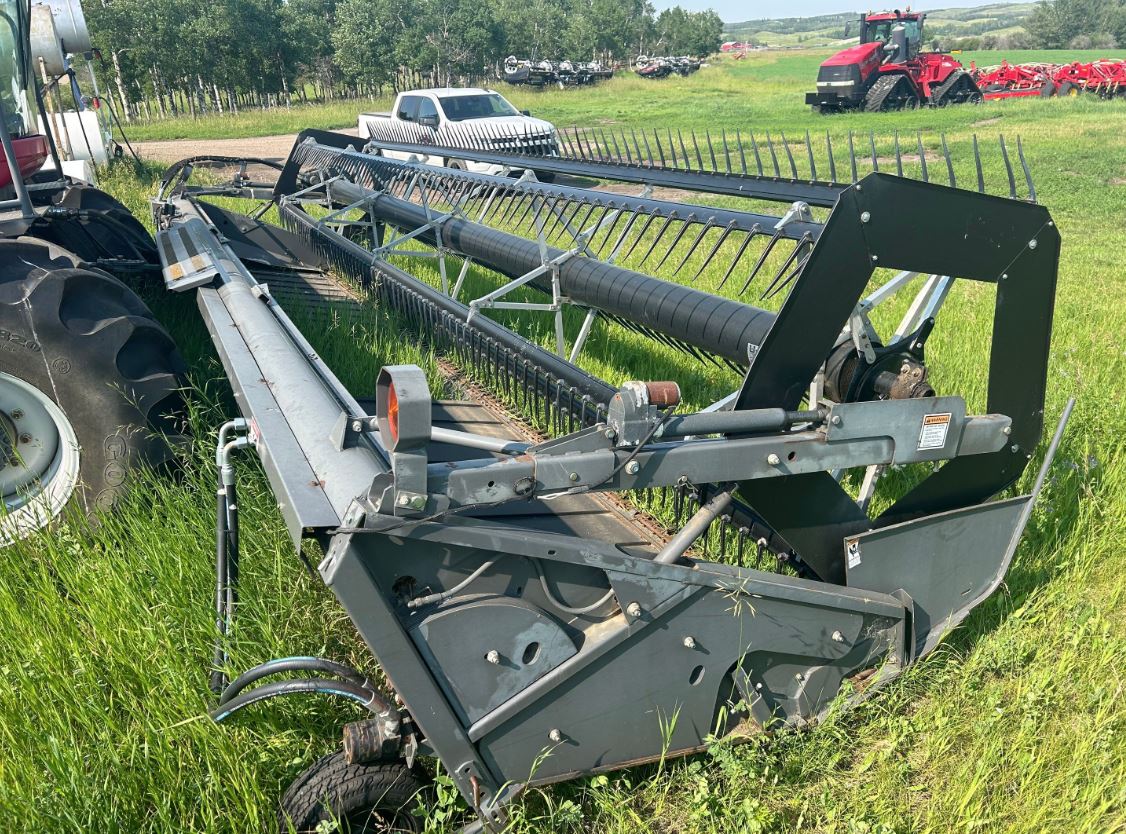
(452, 116)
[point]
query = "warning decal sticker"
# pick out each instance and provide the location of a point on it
(933, 434)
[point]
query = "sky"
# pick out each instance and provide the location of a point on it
(735, 11)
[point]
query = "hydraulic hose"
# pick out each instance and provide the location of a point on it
(294, 664)
(320, 686)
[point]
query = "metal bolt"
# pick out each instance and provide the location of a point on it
(1004, 276)
(1014, 448)
(25, 438)
(1032, 244)
(865, 216)
(404, 500)
(875, 258)
(1007, 430)
(905, 368)
(773, 459)
(836, 420)
(838, 637)
(758, 686)
(493, 656)
(689, 642)
(574, 476)
(611, 434)
(634, 610)
(799, 677)
(555, 735)
(17, 414)
(633, 467)
(357, 425)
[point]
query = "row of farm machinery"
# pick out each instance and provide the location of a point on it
(523, 617)
(1105, 78)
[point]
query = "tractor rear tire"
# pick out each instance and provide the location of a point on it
(364, 798)
(90, 387)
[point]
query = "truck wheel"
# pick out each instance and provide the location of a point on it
(362, 798)
(89, 387)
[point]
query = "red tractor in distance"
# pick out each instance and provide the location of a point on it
(887, 70)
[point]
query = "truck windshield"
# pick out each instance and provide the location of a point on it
(477, 106)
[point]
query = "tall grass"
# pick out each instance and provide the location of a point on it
(1015, 724)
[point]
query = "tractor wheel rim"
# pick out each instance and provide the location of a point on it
(40, 458)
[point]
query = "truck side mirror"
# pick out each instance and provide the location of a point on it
(525, 112)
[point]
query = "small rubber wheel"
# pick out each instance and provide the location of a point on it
(90, 387)
(1069, 89)
(363, 799)
(1048, 89)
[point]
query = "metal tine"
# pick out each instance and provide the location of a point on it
(727, 230)
(773, 155)
(872, 144)
(636, 146)
(688, 252)
(593, 147)
(605, 146)
(738, 256)
(922, 155)
(531, 205)
(758, 158)
(689, 222)
(742, 156)
(621, 239)
(949, 162)
(977, 164)
(696, 146)
(660, 148)
(672, 148)
(1008, 168)
(852, 156)
(625, 144)
(789, 156)
(578, 142)
(775, 287)
(832, 162)
(726, 150)
(777, 236)
(794, 273)
(898, 156)
(648, 150)
(683, 150)
(660, 233)
(598, 227)
(812, 163)
(1027, 171)
(617, 150)
(711, 150)
(561, 218)
(584, 223)
(641, 234)
(515, 200)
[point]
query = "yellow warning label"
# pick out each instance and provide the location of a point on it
(933, 433)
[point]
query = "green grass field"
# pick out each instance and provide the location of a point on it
(1016, 723)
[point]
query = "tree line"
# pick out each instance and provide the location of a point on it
(165, 57)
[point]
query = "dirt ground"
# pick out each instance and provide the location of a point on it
(267, 147)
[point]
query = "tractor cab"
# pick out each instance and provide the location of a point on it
(901, 34)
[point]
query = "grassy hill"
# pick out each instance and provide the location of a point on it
(829, 30)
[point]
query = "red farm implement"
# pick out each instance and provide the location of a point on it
(1105, 78)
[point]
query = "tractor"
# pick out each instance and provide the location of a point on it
(89, 380)
(887, 70)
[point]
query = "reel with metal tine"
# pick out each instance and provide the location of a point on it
(672, 148)
(776, 287)
(872, 143)
(636, 146)
(727, 230)
(649, 220)
(1008, 168)
(688, 252)
(726, 152)
(617, 150)
(623, 235)
(648, 150)
(812, 163)
(660, 148)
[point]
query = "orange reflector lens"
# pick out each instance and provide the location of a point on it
(393, 412)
